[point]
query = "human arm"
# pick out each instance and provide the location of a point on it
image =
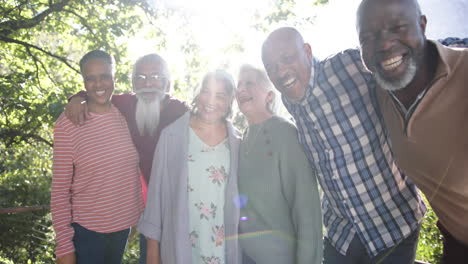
(77, 108)
(299, 186)
(62, 175)
(150, 224)
(67, 259)
(152, 251)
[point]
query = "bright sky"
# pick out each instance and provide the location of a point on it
(218, 24)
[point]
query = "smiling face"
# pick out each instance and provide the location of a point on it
(213, 101)
(391, 36)
(150, 80)
(288, 61)
(253, 97)
(98, 79)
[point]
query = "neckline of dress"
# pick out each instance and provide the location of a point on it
(204, 143)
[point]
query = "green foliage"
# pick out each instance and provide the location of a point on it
(287, 12)
(27, 237)
(25, 181)
(132, 251)
(321, 2)
(430, 240)
(41, 43)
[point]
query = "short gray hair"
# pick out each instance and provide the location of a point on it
(152, 57)
(262, 79)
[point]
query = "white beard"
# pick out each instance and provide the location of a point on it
(396, 85)
(147, 114)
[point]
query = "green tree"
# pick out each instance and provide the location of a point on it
(42, 42)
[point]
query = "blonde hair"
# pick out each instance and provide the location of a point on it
(229, 87)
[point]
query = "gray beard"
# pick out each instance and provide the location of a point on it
(147, 115)
(396, 85)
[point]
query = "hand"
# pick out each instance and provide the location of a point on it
(67, 259)
(77, 110)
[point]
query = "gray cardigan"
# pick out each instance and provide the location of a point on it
(166, 217)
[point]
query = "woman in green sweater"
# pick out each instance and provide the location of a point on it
(281, 220)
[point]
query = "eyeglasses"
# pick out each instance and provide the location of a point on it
(141, 78)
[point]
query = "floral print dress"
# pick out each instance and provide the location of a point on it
(208, 173)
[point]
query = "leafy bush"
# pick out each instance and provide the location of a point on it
(25, 181)
(430, 240)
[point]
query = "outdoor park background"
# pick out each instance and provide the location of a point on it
(41, 42)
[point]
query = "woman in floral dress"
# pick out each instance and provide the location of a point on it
(191, 215)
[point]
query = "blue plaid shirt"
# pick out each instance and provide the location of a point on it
(340, 128)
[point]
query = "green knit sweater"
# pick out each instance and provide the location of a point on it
(281, 220)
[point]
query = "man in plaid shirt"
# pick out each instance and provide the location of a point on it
(372, 212)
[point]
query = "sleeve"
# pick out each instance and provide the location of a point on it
(300, 188)
(123, 102)
(62, 175)
(150, 224)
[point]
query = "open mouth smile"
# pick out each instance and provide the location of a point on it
(245, 99)
(288, 83)
(100, 93)
(209, 109)
(392, 63)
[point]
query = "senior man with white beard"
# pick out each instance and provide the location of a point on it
(148, 111)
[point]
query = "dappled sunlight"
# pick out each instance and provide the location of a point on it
(43, 41)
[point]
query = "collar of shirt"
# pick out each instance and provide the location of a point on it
(408, 112)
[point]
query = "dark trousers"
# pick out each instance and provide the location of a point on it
(99, 248)
(403, 253)
(455, 252)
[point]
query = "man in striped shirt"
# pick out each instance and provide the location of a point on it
(372, 212)
(96, 191)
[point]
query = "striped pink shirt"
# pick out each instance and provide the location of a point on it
(95, 177)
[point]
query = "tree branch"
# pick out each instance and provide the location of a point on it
(28, 50)
(62, 59)
(10, 26)
(24, 209)
(36, 61)
(83, 21)
(12, 133)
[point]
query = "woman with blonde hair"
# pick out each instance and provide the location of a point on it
(190, 206)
